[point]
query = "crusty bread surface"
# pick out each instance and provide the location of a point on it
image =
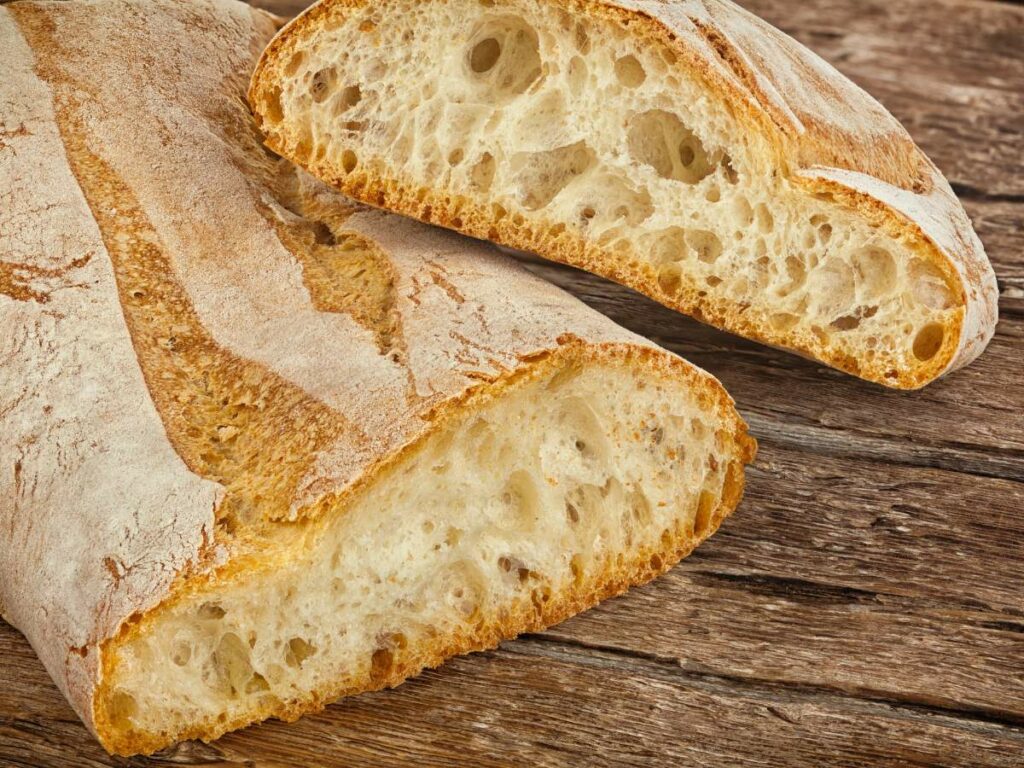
(686, 149)
(270, 447)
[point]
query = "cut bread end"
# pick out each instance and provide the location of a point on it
(589, 136)
(587, 471)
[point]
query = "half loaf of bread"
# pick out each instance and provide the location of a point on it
(270, 448)
(686, 149)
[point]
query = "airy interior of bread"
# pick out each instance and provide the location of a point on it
(568, 487)
(596, 146)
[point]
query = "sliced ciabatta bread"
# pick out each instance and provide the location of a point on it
(270, 448)
(686, 149)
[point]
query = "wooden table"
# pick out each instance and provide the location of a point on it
(865, 605)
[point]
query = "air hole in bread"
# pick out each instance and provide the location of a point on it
(796, 274)
(670, 278)
(668, 245)
(577, 569)
(349, 97)
(702, 519)
(875, 271)
(482, 174)
(629, 71)
(273, 110)
(572, 513)
(523, 499)
(640, 508)
(504, 55)
(783, 321)
(210, 611)
(831, 287)
(181, 652)
(729, 171)
(231, 660)
(609, 199)
(257, 684)
(484, 55)
(743, 214)
(929, 285)
(294, 63)
(349, 160)
(298, 651)
(846, 323)
(542, 175)
(323, 82)
(577, 75)
(381, 663)
(660, 139)
(704, 244)
(929, 341)
(582, 39)
(577, 416)
(455, 156)
(304, 147)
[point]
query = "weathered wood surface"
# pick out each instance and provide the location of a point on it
(865, 606)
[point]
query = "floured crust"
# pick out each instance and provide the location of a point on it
(242, 376)
(823, 132)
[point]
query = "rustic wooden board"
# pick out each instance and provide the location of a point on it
(864, 607)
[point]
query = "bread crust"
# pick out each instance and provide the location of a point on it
(179, 355)
(826, 134)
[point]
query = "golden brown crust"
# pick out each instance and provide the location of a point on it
(827, 135)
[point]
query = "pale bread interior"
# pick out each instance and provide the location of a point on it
(570, 486)
(574, 126)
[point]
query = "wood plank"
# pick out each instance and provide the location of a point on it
(532, 703)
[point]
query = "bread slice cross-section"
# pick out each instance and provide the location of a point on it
(269, 447)
(686, 149)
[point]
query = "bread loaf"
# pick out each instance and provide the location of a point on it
(270, 448)
(686, 149)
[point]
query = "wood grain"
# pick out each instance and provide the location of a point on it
(864, 607)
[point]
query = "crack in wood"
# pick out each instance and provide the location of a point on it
(676, 669)
(1006, 464)
(967, 192)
